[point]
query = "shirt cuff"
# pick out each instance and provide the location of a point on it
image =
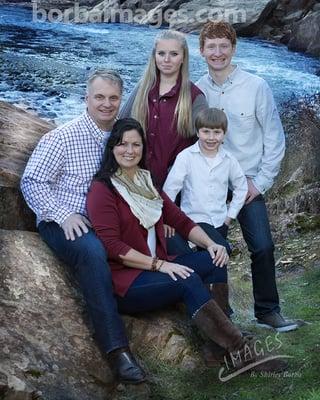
(261, 184)
(59, 216)
(233, 213)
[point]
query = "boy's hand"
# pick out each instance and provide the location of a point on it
(227, 221)
(168, 231)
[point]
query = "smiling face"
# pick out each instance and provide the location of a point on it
(218, 53)
(169, 56)
(209, 140)
(103, 102)
(128, 152)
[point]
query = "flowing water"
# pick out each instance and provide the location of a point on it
(43, 65)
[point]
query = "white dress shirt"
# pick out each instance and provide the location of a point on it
(204, 185)
(255, 134)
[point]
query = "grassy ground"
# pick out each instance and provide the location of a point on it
(298, 270)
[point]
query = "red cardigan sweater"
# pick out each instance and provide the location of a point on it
(119, 230)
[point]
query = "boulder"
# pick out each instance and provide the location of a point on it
(191, 15)
(306, 35)
(187, 16)
(46, 345)
(20, 131)
(291, 22)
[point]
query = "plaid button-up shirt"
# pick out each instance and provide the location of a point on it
(60, 169)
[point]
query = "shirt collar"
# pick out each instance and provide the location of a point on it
(230, 78)
(195, 148)
(154, 92)
(98, 134)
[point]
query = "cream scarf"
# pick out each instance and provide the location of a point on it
(143, 198)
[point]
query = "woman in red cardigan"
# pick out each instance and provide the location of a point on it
(127, 213)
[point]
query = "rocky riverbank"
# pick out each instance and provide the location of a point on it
(295, 23)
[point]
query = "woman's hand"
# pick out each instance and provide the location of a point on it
(219, 254)
(173, 269)
(168, 231)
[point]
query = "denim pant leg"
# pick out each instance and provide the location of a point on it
(202, 264)
(87, 260)
(254, 222)
(176, 245)
(218, 235)
(155, 290)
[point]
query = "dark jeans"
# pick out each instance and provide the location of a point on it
(154, 290)
(87, 260)
(176, 245)
(254, 222)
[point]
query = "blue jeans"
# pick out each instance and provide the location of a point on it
(176, 245)
(87, 260)
(155, 290)
(254, 222)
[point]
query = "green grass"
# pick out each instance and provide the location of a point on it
(300, 382)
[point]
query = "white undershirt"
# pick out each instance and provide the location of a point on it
(152, 240)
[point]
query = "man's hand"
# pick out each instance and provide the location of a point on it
(75, 225)
(252, 191)
(219, 254)
(168, 231)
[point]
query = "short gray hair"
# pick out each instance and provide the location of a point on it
(106, 74)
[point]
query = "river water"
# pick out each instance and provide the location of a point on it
(43, 65)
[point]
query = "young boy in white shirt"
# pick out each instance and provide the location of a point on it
(204, 172)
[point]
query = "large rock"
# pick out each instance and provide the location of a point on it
(45, 343)
(306, 35)
(292, 22)
(191, 16)
(188, 16)
(20, 131)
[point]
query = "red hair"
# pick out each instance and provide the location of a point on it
(217, 29)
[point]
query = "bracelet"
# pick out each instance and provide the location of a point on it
(160, 265)
(154, 264)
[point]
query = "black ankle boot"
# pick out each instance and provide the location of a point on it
(125, 367)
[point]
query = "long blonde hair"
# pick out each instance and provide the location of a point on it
(182, 112)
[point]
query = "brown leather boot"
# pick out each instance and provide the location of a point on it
(212, 322)
(220, 293)
(213, 354)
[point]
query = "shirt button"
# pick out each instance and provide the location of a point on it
(164, 100)
(222, 92)
(155, 117)
(154, 100)
(222, 109)
(152, 134)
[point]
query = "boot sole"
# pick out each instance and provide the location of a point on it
(280, 329)
(128, 382)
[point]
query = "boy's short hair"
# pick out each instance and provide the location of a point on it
(217, 29)
(211, 118)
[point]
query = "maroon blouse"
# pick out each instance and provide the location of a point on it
(163, 141)
(119, 230)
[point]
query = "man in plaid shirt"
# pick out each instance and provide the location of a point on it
(54, 184)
